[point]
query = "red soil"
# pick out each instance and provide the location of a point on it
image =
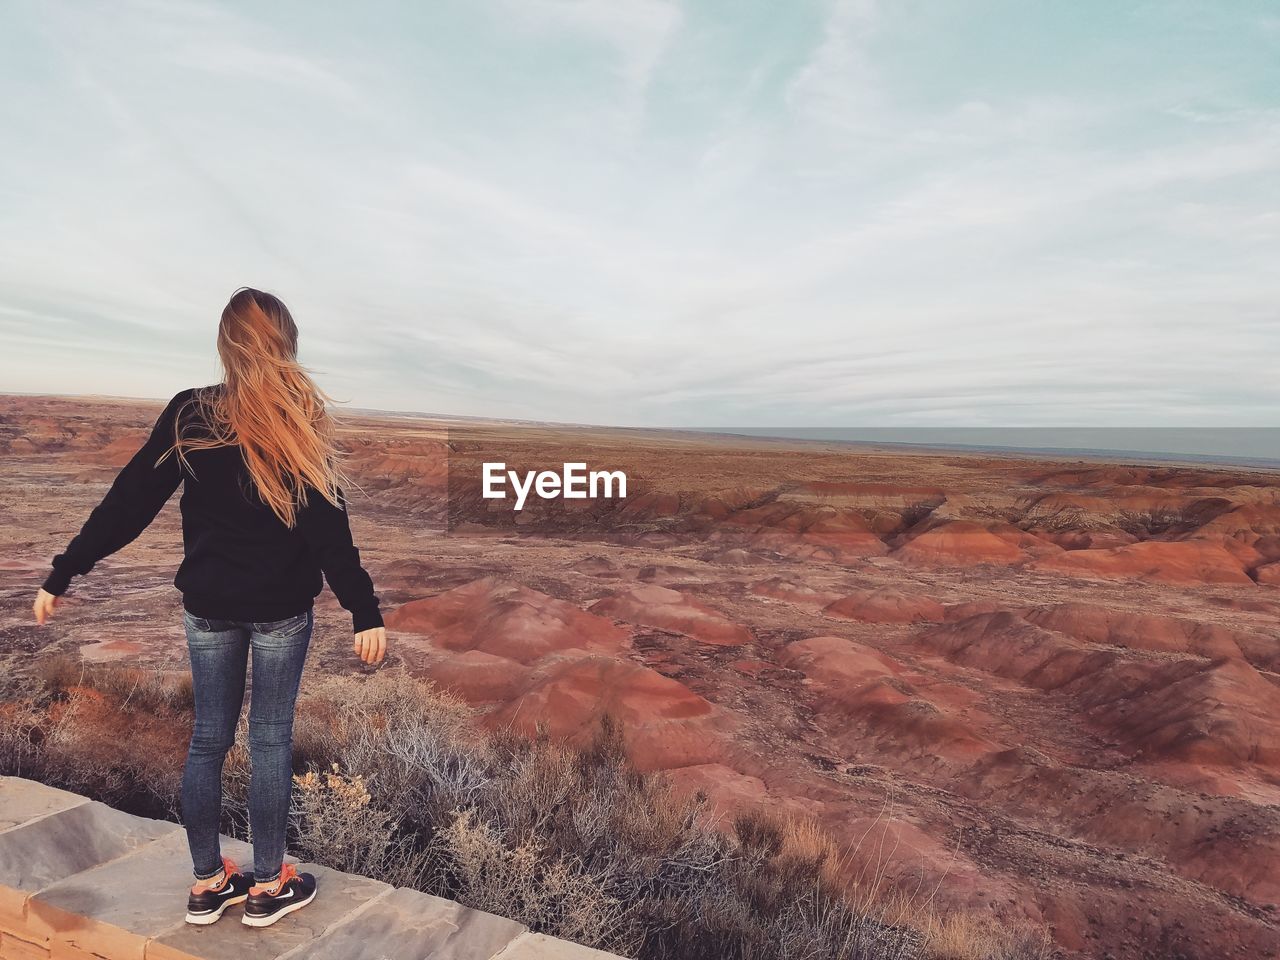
(655, 606)
(1045, 691)
(885, 606)
(507, 620)
(965, 542)
(1187, 561)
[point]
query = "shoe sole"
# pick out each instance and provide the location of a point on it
(203, 919)
(268, 920)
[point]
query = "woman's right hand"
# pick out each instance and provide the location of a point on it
(44, 606)
(371, 645)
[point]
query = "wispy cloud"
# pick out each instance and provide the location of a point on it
(637, 32)
(633, 211)
(839, 85)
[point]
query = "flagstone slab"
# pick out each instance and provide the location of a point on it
(45, 850)
(113, 909)
(408, 925)
(539, 946)
(81, 881)
(338, 895)
(23, 800)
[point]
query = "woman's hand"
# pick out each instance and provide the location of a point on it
(371, 645)
(44, 606)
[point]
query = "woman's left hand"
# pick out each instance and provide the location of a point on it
(371, 645)
(44, 607)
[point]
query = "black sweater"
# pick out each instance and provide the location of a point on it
(241, 562)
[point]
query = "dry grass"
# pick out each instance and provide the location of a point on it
(130, 687)
(395, 780)
(966, 936)
(104, 731)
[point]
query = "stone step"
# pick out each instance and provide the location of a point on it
(339, 896)
(538, 946)
(406, 923)
(51, 846)
(82, 881)
(22, 801)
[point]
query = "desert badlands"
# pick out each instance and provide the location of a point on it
(1043, 689)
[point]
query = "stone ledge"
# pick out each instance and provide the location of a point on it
(82, 881)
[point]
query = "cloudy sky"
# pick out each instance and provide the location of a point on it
(745, 212)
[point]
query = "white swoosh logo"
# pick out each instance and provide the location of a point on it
(285, 896)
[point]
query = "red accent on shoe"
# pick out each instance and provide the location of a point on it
(271, 889)
(228, 869)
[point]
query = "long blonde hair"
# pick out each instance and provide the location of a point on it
(270, 406)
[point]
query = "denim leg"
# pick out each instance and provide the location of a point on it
(279, 651)
(219, 650)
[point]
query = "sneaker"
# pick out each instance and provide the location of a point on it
(269, 902)
(205, 904)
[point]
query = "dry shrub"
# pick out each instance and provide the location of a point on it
(128, 686)
(70, 744)
(104, 731)
(396, 780)
(22, 727)
(336, 824)
(416, 746)
(86, 748)
(529, 882)
(144, 689)
(688, 889)
(235, 785)
(61, 672)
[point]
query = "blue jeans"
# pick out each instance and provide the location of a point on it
(219, 655)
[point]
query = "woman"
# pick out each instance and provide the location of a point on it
(263, 517)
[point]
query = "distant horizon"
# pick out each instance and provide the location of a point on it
(1229, 446)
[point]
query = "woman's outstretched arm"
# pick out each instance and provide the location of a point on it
(139, 491)
(327, 531)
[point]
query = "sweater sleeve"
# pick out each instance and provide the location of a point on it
(135, 497)
(327, 531)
